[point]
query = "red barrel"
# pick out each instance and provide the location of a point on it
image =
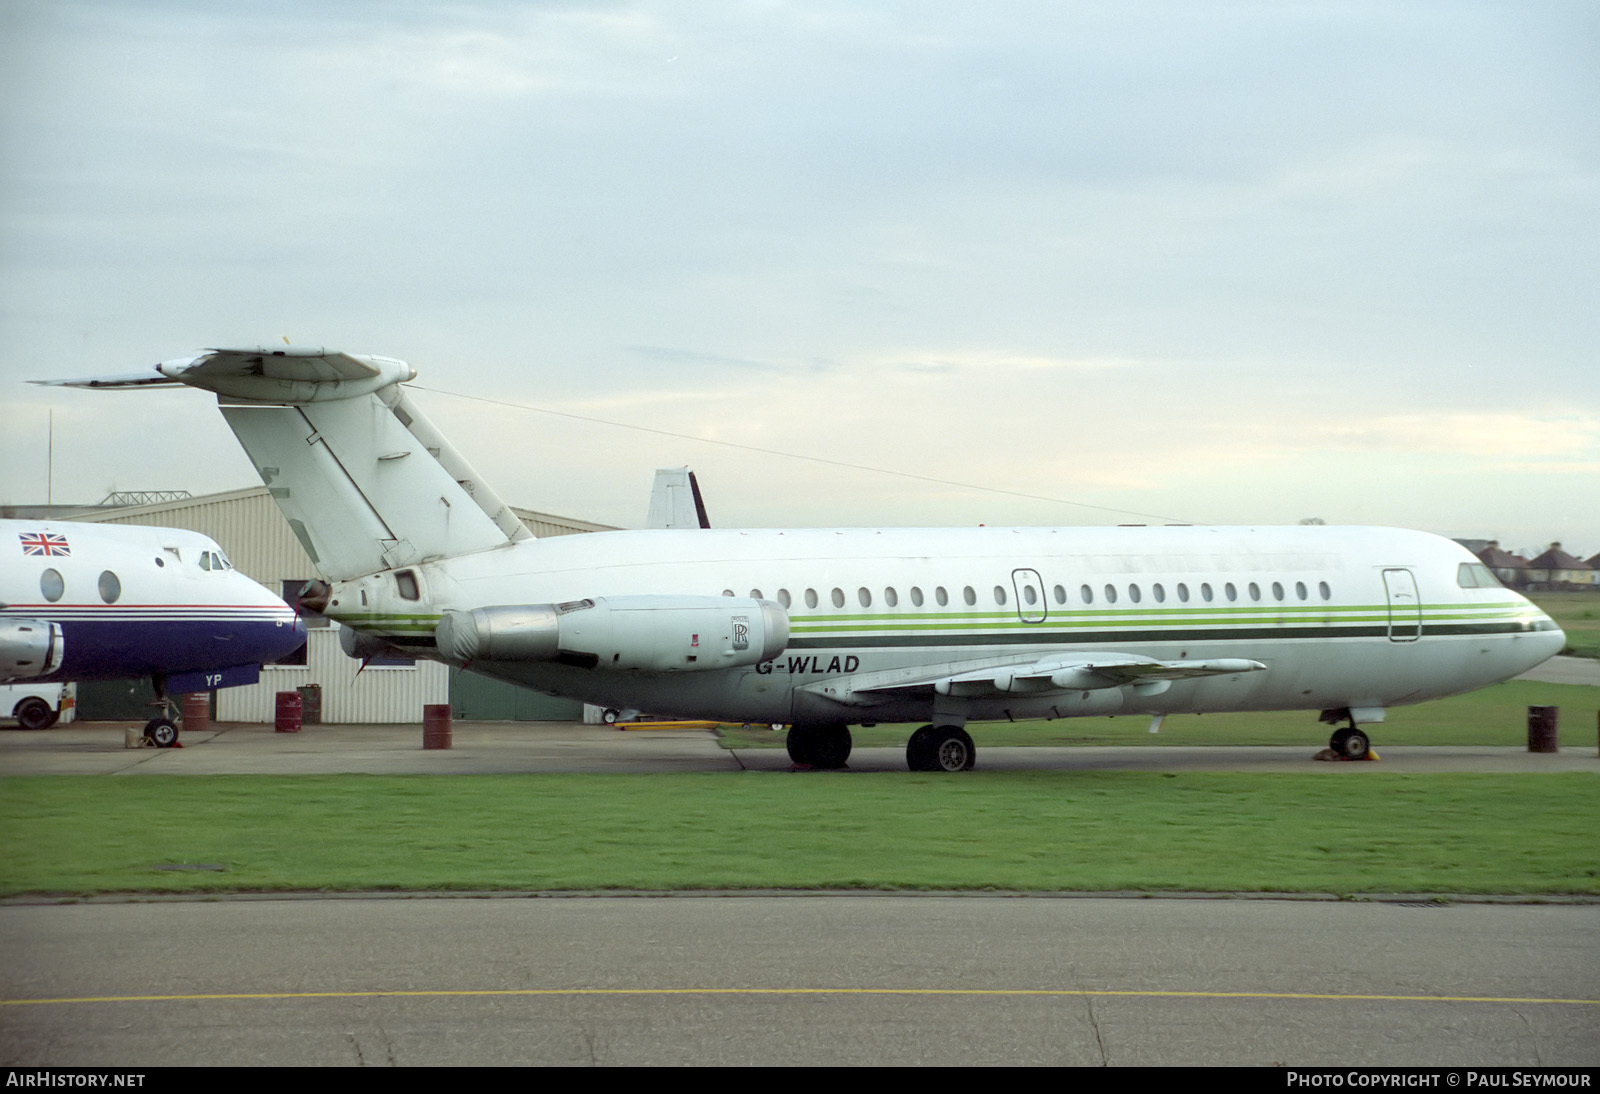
(436, 725)
(288, 712)
(196, 711)
(1542, 723)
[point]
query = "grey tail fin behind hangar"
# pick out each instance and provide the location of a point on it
(675, 500)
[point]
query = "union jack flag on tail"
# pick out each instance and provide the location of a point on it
(44, 543)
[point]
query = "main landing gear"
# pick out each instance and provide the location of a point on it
(823, 746)
(1349, 742)
(940, 748)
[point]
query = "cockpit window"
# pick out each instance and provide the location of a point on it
(214, 560)
(1475, 575)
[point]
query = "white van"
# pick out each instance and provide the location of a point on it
(38, 706)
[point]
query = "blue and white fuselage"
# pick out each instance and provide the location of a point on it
(101, 601)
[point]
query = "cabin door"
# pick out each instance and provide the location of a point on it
(1405, 607)
(1029, 587)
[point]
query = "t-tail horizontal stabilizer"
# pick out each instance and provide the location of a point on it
(365, 481)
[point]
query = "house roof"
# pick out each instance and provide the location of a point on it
(1557, 559)
(1496, 559)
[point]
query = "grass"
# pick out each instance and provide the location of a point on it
(1492, 716)
(1350, 831)
(1579, 616)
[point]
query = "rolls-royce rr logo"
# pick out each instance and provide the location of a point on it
(741, 632)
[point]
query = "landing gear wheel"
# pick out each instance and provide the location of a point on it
(919, 750)
(161, 732)
(609, 716)
(35, 713)
(953, 749)
(1350, 743)
(820, 746)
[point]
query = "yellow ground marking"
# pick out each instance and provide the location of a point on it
(959, 992)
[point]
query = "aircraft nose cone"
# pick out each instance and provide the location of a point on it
(282, 639)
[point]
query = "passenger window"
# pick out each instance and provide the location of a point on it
(1000, 594)
(838, 597)
(1300, 589)
(864, 595)
(969, 595)
(1060, 594)
(941, 596)
(890, 597)
(811, 598)
(1255, 591)
(755, 594)
(1111, 594)
(1230, 592)
(916, 596)
(1183, 592)
(1327, 593)
(1277, 590)
(783, 597)
(52, 586)
(1134, 594)
(406, 582)
(1159, 593)
(110, 587)
(727, 592)
(1029, 595)
(1205, 591)
(1087, 594)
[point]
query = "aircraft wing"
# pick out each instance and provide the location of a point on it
(1079, 672)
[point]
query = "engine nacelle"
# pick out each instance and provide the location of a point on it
(630, 633)
(29, 648)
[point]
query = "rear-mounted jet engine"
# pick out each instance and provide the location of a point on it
(626, 633)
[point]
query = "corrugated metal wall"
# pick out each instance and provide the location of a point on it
(373, 695)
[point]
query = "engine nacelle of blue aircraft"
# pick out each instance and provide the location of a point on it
(29, 648)
(629, 633)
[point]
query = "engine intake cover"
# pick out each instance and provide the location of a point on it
(627, 633)
(29, 648)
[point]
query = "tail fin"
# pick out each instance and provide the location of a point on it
(675, 500)
(366, 482)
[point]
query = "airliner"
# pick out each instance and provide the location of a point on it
(112, 602)
(822, 629)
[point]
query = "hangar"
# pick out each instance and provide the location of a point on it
(335, 688)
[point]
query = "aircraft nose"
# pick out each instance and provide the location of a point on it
(1547, 640)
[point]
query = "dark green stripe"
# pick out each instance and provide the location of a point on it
(1040, 636)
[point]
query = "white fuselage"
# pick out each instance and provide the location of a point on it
(1341, 617)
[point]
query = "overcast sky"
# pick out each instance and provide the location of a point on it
(1208, 262)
